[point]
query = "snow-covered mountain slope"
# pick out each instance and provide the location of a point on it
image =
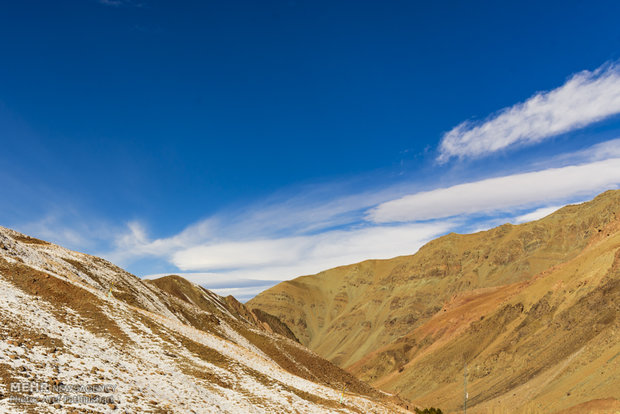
(79, 334)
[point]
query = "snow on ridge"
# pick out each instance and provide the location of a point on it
(153, 366)
(85, 269)
(146, 371)
(217, 300)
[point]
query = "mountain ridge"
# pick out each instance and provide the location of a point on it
(70, 319)
(381, 319)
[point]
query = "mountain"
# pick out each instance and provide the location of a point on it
(110, 341)
(531, 310)
(196, 295)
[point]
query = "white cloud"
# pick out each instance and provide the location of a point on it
(136, 236)
(82, 233)
(585, 98)
(246, 250)
(246, 268)
(225, 283)
(48, 229)
(287, 257)
(240, 254)
(598, 152)
(536, 214)
(134, 241)
(283, 216)
(502, 193)
(287, 221)
(241, 294)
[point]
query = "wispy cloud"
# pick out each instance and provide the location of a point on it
(70, 228)
(310, 253)
(587, 97)
(508, 192)
(225, 284)
(245, 250)
(536, 214)
(283, 220)
(245, 268)
(601, 151)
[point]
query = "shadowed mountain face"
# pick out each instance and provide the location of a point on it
(531, 309)
(166, 345)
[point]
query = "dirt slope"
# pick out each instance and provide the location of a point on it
(532, 309)
(69, 319)
(206, 300)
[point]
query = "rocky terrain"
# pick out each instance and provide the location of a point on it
(79, 334)
(529, 312)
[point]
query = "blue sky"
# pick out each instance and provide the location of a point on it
(241, 143)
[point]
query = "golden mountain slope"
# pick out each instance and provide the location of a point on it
(70, 319)
(532, 309)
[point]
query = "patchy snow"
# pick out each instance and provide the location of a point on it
(148, 365)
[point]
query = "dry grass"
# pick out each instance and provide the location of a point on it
(516, 302)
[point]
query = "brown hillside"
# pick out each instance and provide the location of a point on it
(532, 309)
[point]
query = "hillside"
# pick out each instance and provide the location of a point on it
(532, 309)
(209, 302)
(70, 319)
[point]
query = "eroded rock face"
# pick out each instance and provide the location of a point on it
(518, 303)
(69, 319)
